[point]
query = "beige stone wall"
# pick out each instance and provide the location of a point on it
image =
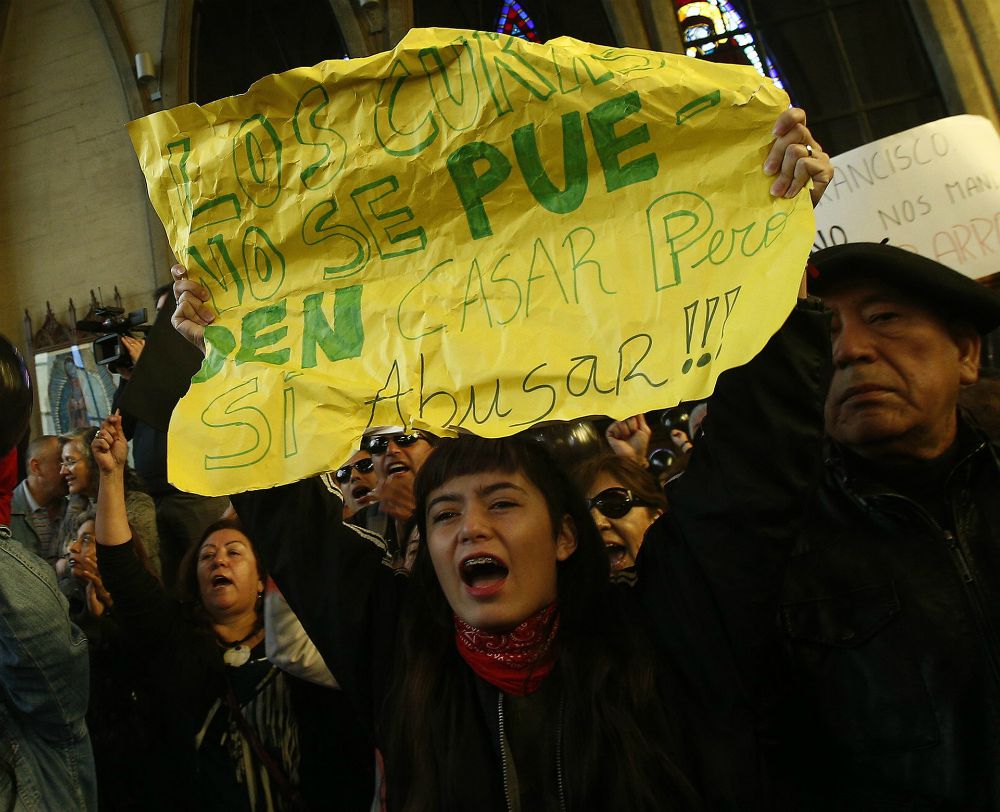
(962, 38)
(73, 200)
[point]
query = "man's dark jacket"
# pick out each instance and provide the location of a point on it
(864, 644)
(889, 619)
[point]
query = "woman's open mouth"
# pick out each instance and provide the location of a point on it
(396, 468)
(483, 575)
(220, 581)
(360, 492)
(616, 555)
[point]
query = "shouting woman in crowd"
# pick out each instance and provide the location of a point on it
(624, 501)
(238, 735)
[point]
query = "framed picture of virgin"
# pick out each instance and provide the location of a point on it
(74, 391)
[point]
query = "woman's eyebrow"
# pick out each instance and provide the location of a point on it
(485, 490)
(444, 497)
(493, 487)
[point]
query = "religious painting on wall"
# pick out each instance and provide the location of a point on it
(73, 390)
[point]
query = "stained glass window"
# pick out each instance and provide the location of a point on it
(715, 31)
(514, 20)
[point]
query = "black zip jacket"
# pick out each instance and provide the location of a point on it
(889, 624)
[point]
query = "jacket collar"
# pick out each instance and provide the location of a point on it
(840, 462)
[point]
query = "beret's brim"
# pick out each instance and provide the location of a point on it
(943, 290)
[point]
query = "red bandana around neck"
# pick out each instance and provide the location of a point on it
(517, 661)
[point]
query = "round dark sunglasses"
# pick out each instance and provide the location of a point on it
(615, 502)
(379, 444)
(365, 466)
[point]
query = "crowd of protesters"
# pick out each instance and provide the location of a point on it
(786, 598)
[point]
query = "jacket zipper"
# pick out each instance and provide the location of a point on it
(975, 598)
(961, 562)
(969, 584)
(953, 540)
(559, 761)
(956, 549)
(503, 753)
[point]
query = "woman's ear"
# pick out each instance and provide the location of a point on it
(565, 539)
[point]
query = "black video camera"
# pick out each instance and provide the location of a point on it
(114, 323)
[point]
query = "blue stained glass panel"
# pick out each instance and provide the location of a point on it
(515, 22)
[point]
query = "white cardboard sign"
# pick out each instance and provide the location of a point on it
(934, 190)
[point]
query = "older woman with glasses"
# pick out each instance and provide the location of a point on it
(624, 501)
(78, 469)
(124, 714)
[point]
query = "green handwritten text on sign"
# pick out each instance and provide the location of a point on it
(470, 231)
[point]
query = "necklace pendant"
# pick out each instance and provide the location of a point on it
(236, 656)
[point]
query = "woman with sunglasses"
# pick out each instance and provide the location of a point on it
(624, 501)
(356, 479)
(398, 456)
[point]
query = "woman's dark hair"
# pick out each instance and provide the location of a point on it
(630, 474)
(612, 757)
(186, 588)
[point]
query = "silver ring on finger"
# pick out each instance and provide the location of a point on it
(809, 150)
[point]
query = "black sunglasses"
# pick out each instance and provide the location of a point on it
(365, 466)
(379, 444)
(615, 502)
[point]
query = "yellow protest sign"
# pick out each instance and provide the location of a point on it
(469, 231)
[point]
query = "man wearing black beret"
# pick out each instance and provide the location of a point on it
(890, 605)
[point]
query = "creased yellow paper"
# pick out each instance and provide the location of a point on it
(469, 231)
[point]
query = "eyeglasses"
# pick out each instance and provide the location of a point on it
(615, 502)
(69, 462)
(365, 466)
(379, 444)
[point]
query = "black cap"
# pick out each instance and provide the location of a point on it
(15, 395)
(942, 289)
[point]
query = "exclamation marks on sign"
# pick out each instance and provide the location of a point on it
(291, 440)
(692, 328)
